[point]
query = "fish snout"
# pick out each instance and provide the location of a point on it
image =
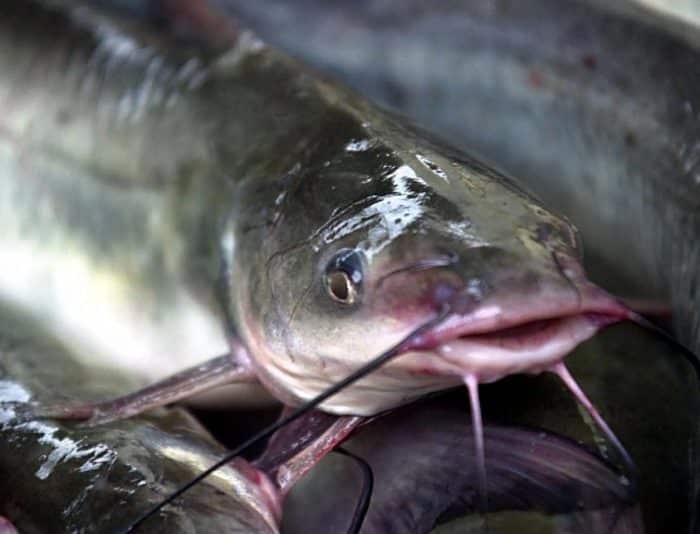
(506, 291)
(491, 275)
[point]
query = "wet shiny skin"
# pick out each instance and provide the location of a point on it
(426, 226)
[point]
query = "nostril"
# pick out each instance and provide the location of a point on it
(443, 292)
(473, 293)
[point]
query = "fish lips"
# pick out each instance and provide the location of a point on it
(508, 335)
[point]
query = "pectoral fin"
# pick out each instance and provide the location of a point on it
(230, 368)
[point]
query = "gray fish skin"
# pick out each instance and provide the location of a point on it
(593, 104)
(59, 478)
(304, 172)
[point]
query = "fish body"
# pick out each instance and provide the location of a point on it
(592, 104)
(96, 159)
(292, 174)
(58, 478)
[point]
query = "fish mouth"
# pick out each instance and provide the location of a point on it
(494, 341)
(531, 333)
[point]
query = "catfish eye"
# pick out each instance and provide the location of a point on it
(343, 276)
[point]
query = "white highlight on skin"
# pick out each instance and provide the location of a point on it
(13, 392)
(63, 449)
(358, 145)
(487, 312)
(66, 449)
(246, 45)
(432, 167)
(161, 82)
(404, 207)
(397, 212)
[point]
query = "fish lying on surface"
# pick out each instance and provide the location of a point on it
(593, 104)
(345, 232)
(57, 478)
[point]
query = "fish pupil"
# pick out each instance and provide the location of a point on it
(344, 276)
(340, 286)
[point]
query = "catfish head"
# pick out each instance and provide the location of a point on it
(380, 233)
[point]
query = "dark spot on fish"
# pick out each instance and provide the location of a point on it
(589, 61)
(415, 188)
(630, 139)
(535, 79)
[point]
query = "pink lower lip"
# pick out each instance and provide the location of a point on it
(522, 320)
(518, 331)
(529, 347)
(534, 333)
(526, 333)
(538, 326)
